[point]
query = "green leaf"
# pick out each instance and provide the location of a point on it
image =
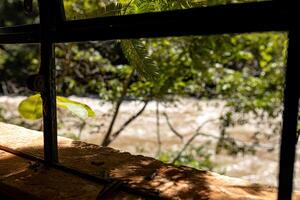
(31, 107)
(137, 55)
(81, 110)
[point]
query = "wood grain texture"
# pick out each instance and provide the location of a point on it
(167, 181)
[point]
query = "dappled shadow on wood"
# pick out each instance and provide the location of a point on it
(138, 172)
(41, 182)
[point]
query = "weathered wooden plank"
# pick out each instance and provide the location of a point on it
(138, 172)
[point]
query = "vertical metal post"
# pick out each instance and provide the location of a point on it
(290, 114)
(47, 71)
(60, 12)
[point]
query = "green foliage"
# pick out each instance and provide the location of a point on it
(13, 13)
(137, 55)
(80, 110)
(71, 136)
(195, 157)
(82, 69)
(244, 70)
(258, 85)
(31, 107)
(78, 9)
(16, 63)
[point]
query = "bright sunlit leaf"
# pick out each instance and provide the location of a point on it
(31, 107)
(81, 110)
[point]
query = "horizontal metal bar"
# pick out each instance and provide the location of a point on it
(19, 29)
(233, 18)
(123, 186)
(20, 34)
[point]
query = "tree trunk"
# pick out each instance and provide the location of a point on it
(107, 138)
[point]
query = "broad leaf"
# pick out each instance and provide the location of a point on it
(31, 107)
(81, 110)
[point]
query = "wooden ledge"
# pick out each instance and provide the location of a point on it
(138, 172)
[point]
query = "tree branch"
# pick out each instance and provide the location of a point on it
(197, 133)
(131, 119)
(171, 127)
(107, 140)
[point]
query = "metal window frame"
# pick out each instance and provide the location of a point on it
(274, 15)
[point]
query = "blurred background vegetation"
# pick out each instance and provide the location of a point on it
(244, 70)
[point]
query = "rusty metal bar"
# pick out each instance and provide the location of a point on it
(290, 114)
(47, 71)
(20, 34)
(232, 18)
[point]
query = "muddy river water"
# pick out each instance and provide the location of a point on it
(140, 137)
